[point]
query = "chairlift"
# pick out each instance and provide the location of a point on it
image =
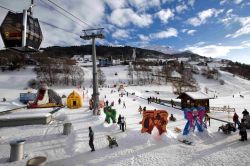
(21, 32)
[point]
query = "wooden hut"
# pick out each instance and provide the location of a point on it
(74, 100)
(194, 99)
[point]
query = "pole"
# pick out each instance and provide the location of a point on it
(93, 36)
(24, 28)
(95, 82)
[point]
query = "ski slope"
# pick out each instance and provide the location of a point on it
(209, 148)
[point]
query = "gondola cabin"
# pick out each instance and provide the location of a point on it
(194, 99)
(21, 32)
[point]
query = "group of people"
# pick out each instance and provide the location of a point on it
(153, 99)
(122, 123)
(242, 125)
(142, 110)
(111, 104)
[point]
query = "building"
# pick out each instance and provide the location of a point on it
(194, 99)
(87, 58)
(103, 62)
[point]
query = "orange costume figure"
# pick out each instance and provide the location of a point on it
(154, 118)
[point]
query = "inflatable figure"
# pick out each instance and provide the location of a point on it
(154, 118)
(110, 114)
(46, 98)
(195, 117)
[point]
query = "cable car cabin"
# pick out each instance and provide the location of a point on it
(21, 32)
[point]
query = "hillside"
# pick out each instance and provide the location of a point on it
(102, 51)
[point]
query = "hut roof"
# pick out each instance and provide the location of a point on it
(196, 95)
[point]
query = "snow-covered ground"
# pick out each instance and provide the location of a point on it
(209, 148)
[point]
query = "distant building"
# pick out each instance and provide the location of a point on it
(87, 58)
(104, 62)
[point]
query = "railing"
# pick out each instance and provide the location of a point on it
(222, 109)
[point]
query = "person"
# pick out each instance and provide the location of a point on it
(119, 101)
(207, 119)
(144, 109)
(127, 94)
(112, 103)
(140, 109)
(124, 105)
(245, 113)
(91, 139)
(107, 103)
(148, 100)
(172, 118)
(172, 102)
(236, 119)
(243, 130)
(123, 124)
(4, 99)
(119, 121)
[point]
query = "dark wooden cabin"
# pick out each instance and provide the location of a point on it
(194, 99)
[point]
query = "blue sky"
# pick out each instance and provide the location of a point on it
(212, 28)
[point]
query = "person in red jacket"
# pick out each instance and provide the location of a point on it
(236, 120)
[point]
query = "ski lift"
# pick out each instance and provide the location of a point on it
(21, 32)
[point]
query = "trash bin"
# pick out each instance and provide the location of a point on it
(37, 161)
(66, 128)
(16, 151)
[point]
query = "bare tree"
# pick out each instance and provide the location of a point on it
(101, 77)
(131, 74)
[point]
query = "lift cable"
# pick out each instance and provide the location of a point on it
(54, 26)
(7, 9)
(44, 22)
(70, 13)
(61, 13)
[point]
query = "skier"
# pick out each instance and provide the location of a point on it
(236, 120)
(243, 131)
(119, 101)
(91, 139)
(124, 105)
(123, 124)
(140, 109)
(119, 121)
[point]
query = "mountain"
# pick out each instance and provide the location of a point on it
(122, 52)
(163, 49)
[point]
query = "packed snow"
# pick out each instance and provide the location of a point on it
(209, 148)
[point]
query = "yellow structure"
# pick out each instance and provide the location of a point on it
(74, 100)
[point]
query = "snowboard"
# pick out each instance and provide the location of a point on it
(186, 142)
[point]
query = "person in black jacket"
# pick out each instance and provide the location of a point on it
(243, 130)
(91, 139)
(119, 121)
(123, 124)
